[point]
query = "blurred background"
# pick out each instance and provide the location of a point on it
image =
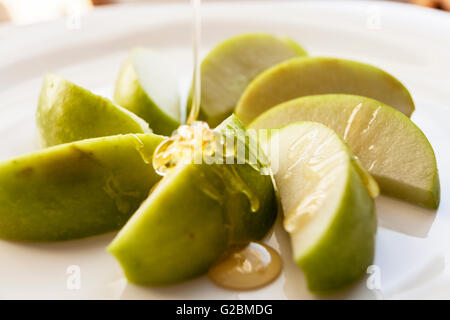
(31, 11)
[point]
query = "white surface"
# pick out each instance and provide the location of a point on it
(412, 43)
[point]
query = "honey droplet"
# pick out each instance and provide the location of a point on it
(252, 267)
(189, 144)
(234, 184)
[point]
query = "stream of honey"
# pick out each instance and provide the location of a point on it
(196, 39)
(257, 264)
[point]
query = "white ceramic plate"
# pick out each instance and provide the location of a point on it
(412, 253)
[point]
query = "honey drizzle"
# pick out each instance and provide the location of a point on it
(257, 264)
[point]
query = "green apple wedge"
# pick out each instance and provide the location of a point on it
(67, 113)
(310, 76)
(388, 144)
(147, 85)
(327, 203)
(77, 189)
(230, 66)
(194, 215)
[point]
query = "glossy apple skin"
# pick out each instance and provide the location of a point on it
(67, 112)
(320, 75)
(231, 65)
(77, 189)
(130, 94)
(182, 228)
(410, 169)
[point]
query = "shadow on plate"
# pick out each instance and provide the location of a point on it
(295, 286)
(404, 217)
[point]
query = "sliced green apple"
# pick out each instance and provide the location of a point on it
(192, 217)
(77, 189)
(147, 85)
(328, 208)
(389, 145)
(67, 113)
(310, 76)
(229, 67)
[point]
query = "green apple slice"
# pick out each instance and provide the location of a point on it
(229, 67)
(67, 113)
(77, 189)
(310, 76)
(328, 209)
(147, 85)
(389, 145)
(192, 217)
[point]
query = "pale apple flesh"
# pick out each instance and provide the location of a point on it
(67, 112)
(388, 144)
(312, 76)
(77, 189)
(190, 220)
(229, 67)
(328, 210)
(147, 86)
